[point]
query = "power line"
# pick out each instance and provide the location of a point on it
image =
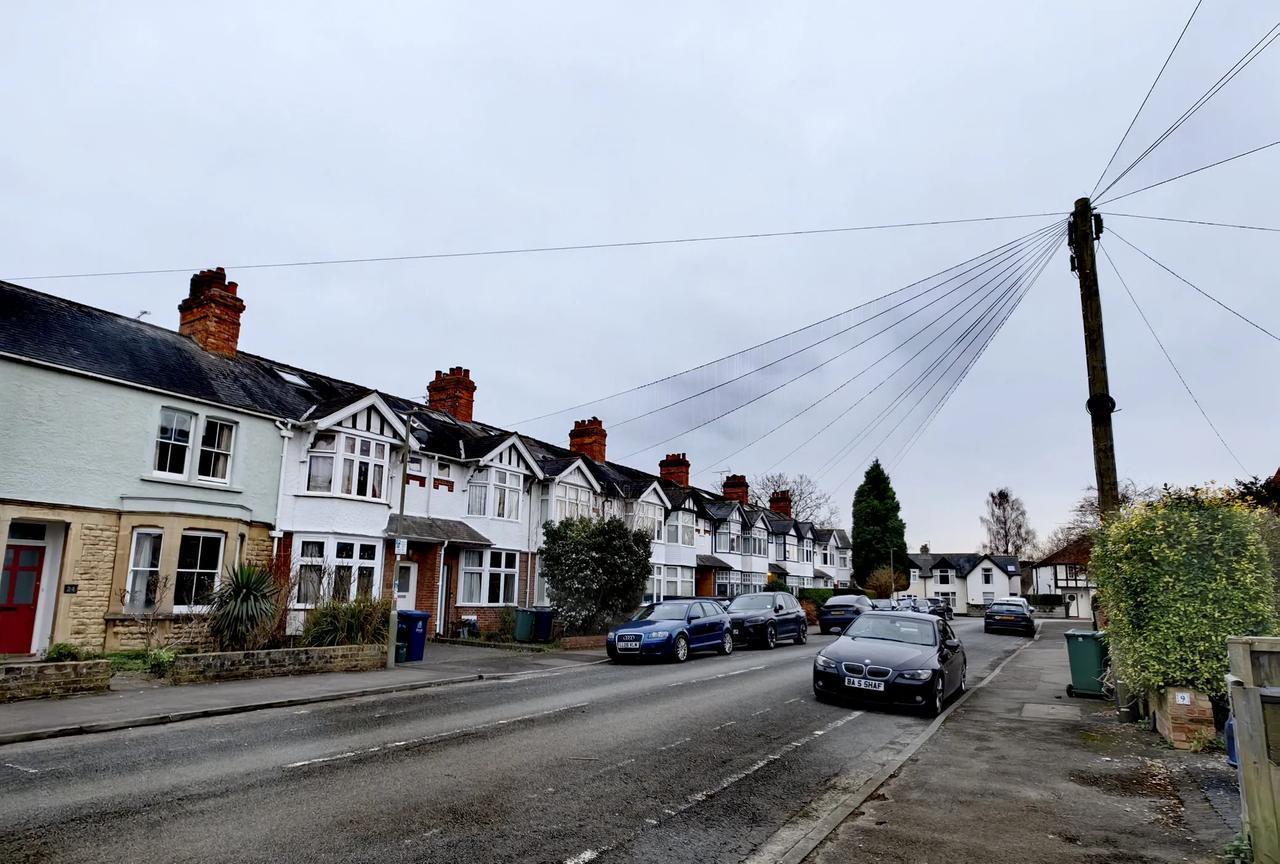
(1193, 221)
(827, 338)
(1150, 90)
(795, 378)
(772, 340)
(1006, 291)
(1236, 69)
(528, 250)
(982, 322)
(902, 453)
(1172, 365)
(1191, 284)
(1189, 173)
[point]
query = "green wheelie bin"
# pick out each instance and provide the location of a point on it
(1087, 653)
(524, 625)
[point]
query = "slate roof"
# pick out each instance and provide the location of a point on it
(64, 333)
(778, 569)
(433, 530)
(822, 574)
(712, 562)
(964, 562)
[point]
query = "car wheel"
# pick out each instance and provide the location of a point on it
(680, 650)
(770, 636)
(726, 644)
(934, 708)
(802, 636)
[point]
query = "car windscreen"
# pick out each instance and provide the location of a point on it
(882, 604)
(664, 612)
(752, 601)
(842, 600)
(891, 628)
(1008, 609)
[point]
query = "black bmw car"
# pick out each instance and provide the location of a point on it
(899, 658)
(764, 618)
(1009, 616)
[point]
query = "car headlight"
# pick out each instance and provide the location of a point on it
(755, 620)
(657, 634)
(826, 664)
(612, 635)
(916, 674)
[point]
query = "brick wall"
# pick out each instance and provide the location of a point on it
(41, 680)
(1187, 726)
(232, 665)
(126, 632)
(92, 570)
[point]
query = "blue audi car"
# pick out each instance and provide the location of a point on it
(672, 630)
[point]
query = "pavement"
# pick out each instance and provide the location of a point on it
(142, 701)
(1020, 772)
(698, 762)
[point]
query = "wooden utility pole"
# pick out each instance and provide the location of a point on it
(1085, 228)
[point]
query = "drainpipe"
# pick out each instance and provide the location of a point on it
(286, 432)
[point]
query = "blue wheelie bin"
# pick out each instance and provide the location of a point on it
(411, 631)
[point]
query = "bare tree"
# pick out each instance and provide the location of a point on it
(1086, 517)
(1008, 529)
(884, 581)
(808, 502)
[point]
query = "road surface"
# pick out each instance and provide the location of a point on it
(653, 763)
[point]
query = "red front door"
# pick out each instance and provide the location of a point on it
(19, 593)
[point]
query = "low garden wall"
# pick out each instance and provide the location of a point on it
(579, 643)
(42, 680)
(231, 665)
(1183, 716)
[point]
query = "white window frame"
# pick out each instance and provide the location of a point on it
(331, 566)
(216, 571)
(680, 528)
(485, 574)
(217, 451)
(943, 577)
(152, 570)
(478, 492)
(173, 441)
(508, 488)
(648, 517)
(987, 576)
(350, 451)
(321, 453)
(915, 574)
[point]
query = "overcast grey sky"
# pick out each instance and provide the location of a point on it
(145, 135)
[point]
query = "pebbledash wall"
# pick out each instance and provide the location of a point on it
(79, 450)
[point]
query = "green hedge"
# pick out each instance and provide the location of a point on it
(1177, 577)
(817, 595)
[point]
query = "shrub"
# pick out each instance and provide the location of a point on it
(777, 585)
(506, 624)
(1177, 576)
(596, 570)
(243, 609)
(817, 596)
(810, 611)
(63, 652)
(160, 661)
(362, 621)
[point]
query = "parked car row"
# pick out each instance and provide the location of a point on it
(673, 629)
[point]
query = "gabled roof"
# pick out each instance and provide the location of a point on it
(780, 524)
(1077, 552)
(804, 529)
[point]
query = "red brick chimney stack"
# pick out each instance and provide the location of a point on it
(587, 438)
(780, 502)
(675, 468)
(211, 313)
(736, 488)
(453, 392)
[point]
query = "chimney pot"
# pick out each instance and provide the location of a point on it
(736, 488)
(675, 468)
(780, 502)
(587, 438)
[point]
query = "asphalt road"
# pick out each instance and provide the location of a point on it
(700, 762)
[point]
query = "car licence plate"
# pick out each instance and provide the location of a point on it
(1004, 617)
(863, 684)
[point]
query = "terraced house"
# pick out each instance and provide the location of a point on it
(140, 462)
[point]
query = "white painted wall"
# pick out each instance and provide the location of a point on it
(999, 586)
(79, 441)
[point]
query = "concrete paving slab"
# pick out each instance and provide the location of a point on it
(1034, 711)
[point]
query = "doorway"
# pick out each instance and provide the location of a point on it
(19, 596)
(406, 586)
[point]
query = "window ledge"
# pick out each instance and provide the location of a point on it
(154, 616)
(337, 497)
(191, 484)
(482, 605)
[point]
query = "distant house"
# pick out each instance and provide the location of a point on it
(963, 579)
(832, 567)
(1066, 572)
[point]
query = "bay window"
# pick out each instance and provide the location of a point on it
(647, 517)
(320, 462)
(678, 583)
(478, 493)
(488, 578)
(680, 528)
(173, 442)
(336, 568)
(573, 502)
(653, 587)
(507, 487)
(199, 562)
(360, 463)
(144, 569)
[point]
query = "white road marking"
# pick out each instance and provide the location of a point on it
(762, 711)
(722, 725)
(674, 744)
(22, 769)
(789, 701)
(582, 857)
(718, 677)
(426, 739)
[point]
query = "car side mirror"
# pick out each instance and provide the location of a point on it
(778, 608)
(952, 644)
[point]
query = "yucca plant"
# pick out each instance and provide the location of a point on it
(243, 610)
